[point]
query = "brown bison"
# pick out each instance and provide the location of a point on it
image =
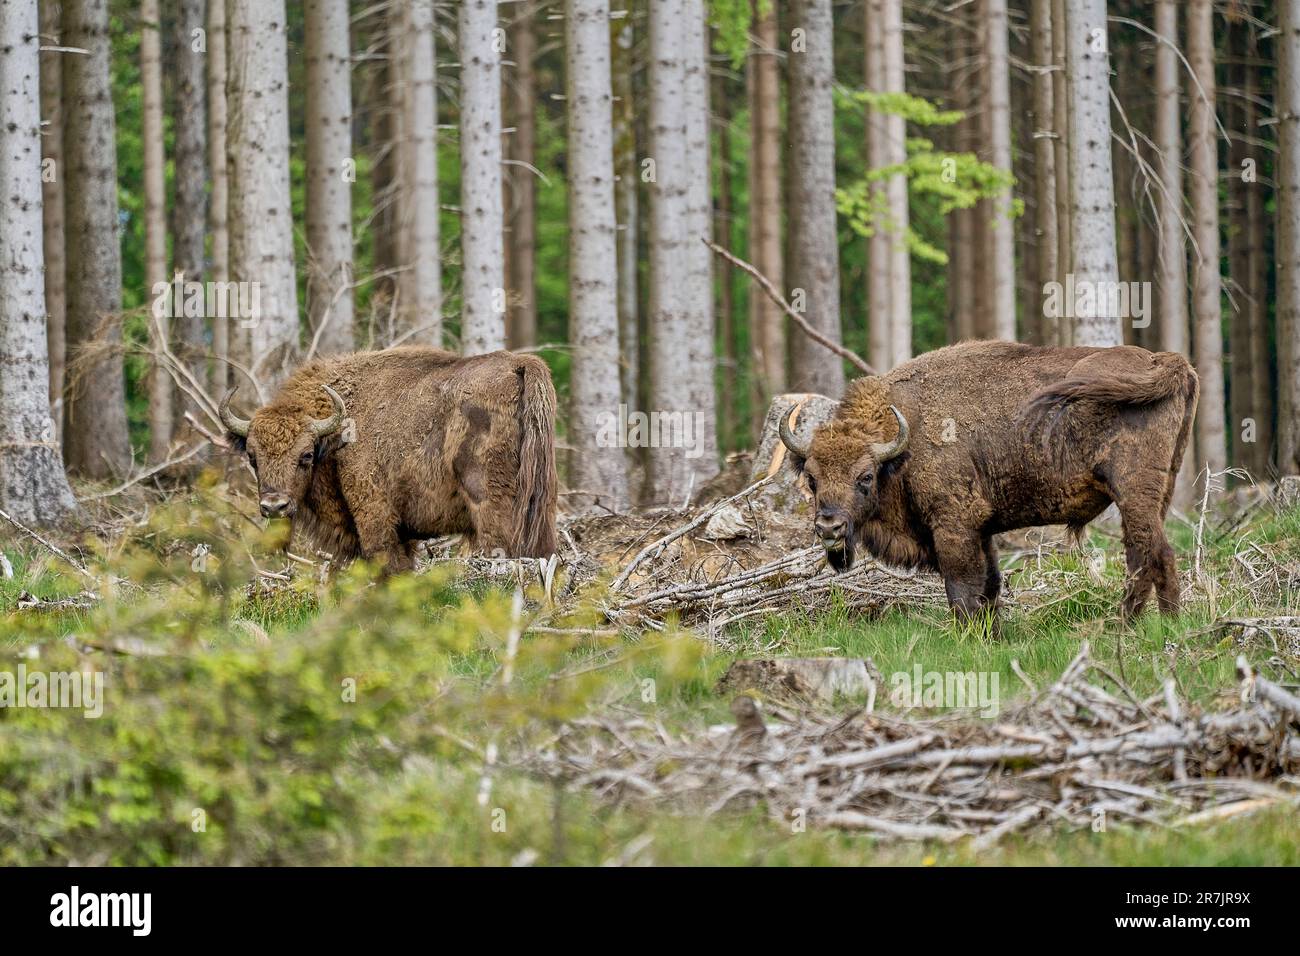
(369, 453)
(926, 464)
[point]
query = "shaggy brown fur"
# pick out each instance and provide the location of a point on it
(437, 444)
(1006, 436)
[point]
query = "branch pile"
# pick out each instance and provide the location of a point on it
(1084, 750)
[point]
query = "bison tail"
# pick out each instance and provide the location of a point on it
(533, 525)
(1169, 375)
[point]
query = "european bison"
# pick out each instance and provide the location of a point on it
(369, 453)
(926, 464)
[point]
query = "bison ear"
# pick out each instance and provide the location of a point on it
(236, 443)
(327, 445)
(893, 467)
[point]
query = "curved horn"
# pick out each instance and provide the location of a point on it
(788, 439)
(884, 451)
(328, 426)
(237, 425)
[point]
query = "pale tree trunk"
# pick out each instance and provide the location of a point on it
(1001, 238)
(1045, 229)
(814, 264)
(419, 285)
(1287, 242)
(900, 258)
(189, 214)
(482, 323)
(155, 228)
(1061, 122)
(767, 323)
(94, 410)
(257, 147)
(595, 464)
(33, 487)
(1257, 301)
(1092, 185)
(723, 218)
(880, 326)
(625, 200)
(1171, 264)
(219, 197)
(1207, 326)
(331, 170)
(681, 379)
(1240, 121)
(521, 321)
(52, 204)
(961, 227)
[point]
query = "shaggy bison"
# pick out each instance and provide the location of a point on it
(368, 453)
(925, 464)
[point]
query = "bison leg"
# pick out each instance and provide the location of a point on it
(1147, 553)
(992, 573)
(377, 531)
(964, 564)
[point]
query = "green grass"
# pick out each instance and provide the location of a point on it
(255, 735)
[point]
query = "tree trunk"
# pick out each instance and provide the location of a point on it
(1092, 186)
(961, 234)
(723, 217)
(261, 229)
(482, 216)
(595, 464)
(1061, 122)
(767, 323)
(900, 257)
(419, 244)
(33, 488)
(1207, 339)
(625, 199)
(1171, 274)
(880, 325)
(1001, 238)
(1257, 296)
(1287, 243)
(1045, 228)
(219, 198)
(521, 322)
(814, 265)
(94, 410)
(189, 216)
(52, 205)
(330, 174)
(161, 387)
(1240, 121)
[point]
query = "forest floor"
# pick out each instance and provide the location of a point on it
(259, 711)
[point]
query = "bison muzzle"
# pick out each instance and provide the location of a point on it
(924, 465)
(368, 454)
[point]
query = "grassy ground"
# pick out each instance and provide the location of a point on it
(240, 723)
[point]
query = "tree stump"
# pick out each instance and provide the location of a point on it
(804, 412)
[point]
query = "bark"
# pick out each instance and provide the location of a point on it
(814, 265)
(1171, 272)
(1092, 186)
(1257, 302)
(33, 488)
(1240, 122)
(329, 176)
(961, 234)
(1061, 121)
(419, 251)
(625, 199)
(219, 198)
(1287, 243)
(261, 229)
(1045, 226)
(722, 221)
(1001, 238)
(521, 320)
(880, 325)
(161, 387)
(94, 411)
(482, 215)
(189, 214)
(766, 321)
(1203, 186)
(900, 259)
(595, 464)
(52, 204)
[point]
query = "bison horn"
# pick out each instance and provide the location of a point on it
(886, 450)
(788, 439)
(238, 426)
(328, 426)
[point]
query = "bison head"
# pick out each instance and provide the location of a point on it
(847, 471)
(284, 443)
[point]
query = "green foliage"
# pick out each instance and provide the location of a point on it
(731, 20)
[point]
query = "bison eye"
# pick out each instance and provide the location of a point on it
(864, 482)
(304, 460)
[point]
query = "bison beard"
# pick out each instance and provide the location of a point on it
(1010, 436)
(368, 454)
